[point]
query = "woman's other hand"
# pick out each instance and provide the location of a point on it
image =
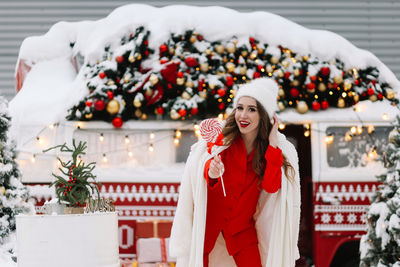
(273, 136)
(216, 167)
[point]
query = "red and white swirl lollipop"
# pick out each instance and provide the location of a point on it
(211, 132)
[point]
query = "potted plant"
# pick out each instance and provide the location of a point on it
(76, 184)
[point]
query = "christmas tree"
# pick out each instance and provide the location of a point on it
(13, 195)
(81, 184)
(191, 77)
(380, 246)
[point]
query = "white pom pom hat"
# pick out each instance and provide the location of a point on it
(264, 90)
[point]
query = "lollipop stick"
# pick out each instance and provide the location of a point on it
(222, 182)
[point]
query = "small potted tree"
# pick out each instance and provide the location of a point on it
(76, 184)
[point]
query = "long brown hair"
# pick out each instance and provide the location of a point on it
(231, 132)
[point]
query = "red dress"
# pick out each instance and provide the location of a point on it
(233, 215)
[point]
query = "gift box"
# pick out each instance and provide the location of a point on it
(150, 250)
(153, 228)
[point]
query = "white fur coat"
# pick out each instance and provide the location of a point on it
(277, 216)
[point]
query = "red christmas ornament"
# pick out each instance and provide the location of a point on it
(221, 106)
(146, 53)
(117, 122)
(119, 59)
(316, 106)
(191, 62)
(313, 78)
(380, 96)
(260, 67)
(256, 75)
(180, 74)
(102, 75)
(118, 80)
(110, 95)
(325, 71)
(99, 105)
(300, 72)
(194, 111)
(252, 40)
(163, 61)
(163, 48)
(287, 75)
(160, 110)
(200, 37)
(373, 82)
(324, 104)
(88, 103)
(221, 92)
(146, 42)
(294, 92)
(370, 91)
(229, 81)
(200, 85)
(363, 94)
(357, 82)
(182, 112)
(311, 86)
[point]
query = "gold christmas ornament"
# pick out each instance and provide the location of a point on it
(193, 39)
(131, 59)
(231, 48)
(230, 67)
(171, 51)
(390, 94)
(2, 190)
(149, 92)
(322, 87)
(295, 83)
(281, 92)
(338, 79)
(285, 64)
(186, 95)
(220, 49)
(260, 50)
(110, 82)
(281, 106)
(311, 91)
(305, 58)
(208, 52)
(253, 55)
(203, 94)
(280, 73)
(243, 70)
(144, 116)
(302, 107)
(211, 85)
(244, 53)
(113, 107)
(138, 113)
(137, 103)
(296, 72)
(174, 115)
(189, 84)
(341, 103)
(356, 98)
(274, 60)
(204, 67)
(139, 57)
(373, 98)
(269, 68)
(347, 85)
(126, 79)
(89, 116)
(153, 79)
(180, 81)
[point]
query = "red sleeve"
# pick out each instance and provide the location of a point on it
(211, 182)
(273, 173)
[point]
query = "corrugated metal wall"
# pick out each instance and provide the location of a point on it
(372, 25)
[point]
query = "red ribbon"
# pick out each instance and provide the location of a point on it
(163, 250)
(218, 142)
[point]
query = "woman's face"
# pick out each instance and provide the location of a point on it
(247, 117)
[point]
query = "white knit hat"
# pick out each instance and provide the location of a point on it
(264, 90)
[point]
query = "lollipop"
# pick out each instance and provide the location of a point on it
(211, 132)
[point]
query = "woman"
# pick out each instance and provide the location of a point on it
(257, 223)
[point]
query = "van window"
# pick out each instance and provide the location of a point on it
(351, 145)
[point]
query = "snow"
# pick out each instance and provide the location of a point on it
(10, 244)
